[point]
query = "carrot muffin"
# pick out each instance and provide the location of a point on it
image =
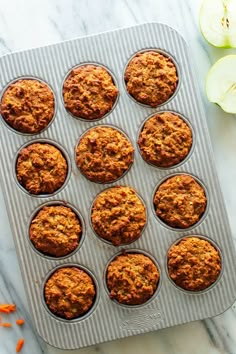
(104, 154)
(151, 78)
(180, 201)
(69, 292)
(165, 140)
(28, 105)
(194, 264)
(89, 92)
(55, 230)
(41, 168)
(118, 215)
(132, 278)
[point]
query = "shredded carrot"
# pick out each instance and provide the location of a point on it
(19, 345)
(6, 324)
(20, 322)
(7, 308)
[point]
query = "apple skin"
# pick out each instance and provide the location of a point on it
(224, 45)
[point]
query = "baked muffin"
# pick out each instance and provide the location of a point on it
(118, 215)
(55, 230)
(151, 78)
(194, 263)
(104, 154)
(180, 201)
(41, 168)
(28, 105)
(89, 92)
(132, 278)
(69, 292)
(165, 140)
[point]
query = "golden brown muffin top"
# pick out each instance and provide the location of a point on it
(194, 264)
(89, 92)
(104, 154)
(165, 140)
(151, 78)
(28, 105)
(69, 292)
(55, 230)
(132, 278)
(118, 215)
(41, 168)
(180, 201)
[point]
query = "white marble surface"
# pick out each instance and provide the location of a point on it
(31, 23)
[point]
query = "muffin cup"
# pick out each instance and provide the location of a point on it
(55, 104)
(120, 131)
(64, 153)
(191, 292)
(79, 216)
(203, 215)
(115, 81)
(133, 250)
(190, 151)
(97, 293)
(166, 54)
(109, 242)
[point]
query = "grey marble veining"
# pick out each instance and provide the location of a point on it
(25, 24)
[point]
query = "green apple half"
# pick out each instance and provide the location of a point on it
(217, 21)
(221, 83)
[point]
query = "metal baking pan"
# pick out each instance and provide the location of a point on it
(170, 306)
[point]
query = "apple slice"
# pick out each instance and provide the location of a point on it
(217, 21)
(221, 83)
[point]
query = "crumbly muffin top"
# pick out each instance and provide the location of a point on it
(180, 201)
(28, 105)
(118, 215)
(104, 154)
(194, 264)
(132, 278)
(89, 92)
(41, 168)
(165, 140)
(69, 292)
(151, 78)
(55, 230)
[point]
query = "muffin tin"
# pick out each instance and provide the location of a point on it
(108, 320)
